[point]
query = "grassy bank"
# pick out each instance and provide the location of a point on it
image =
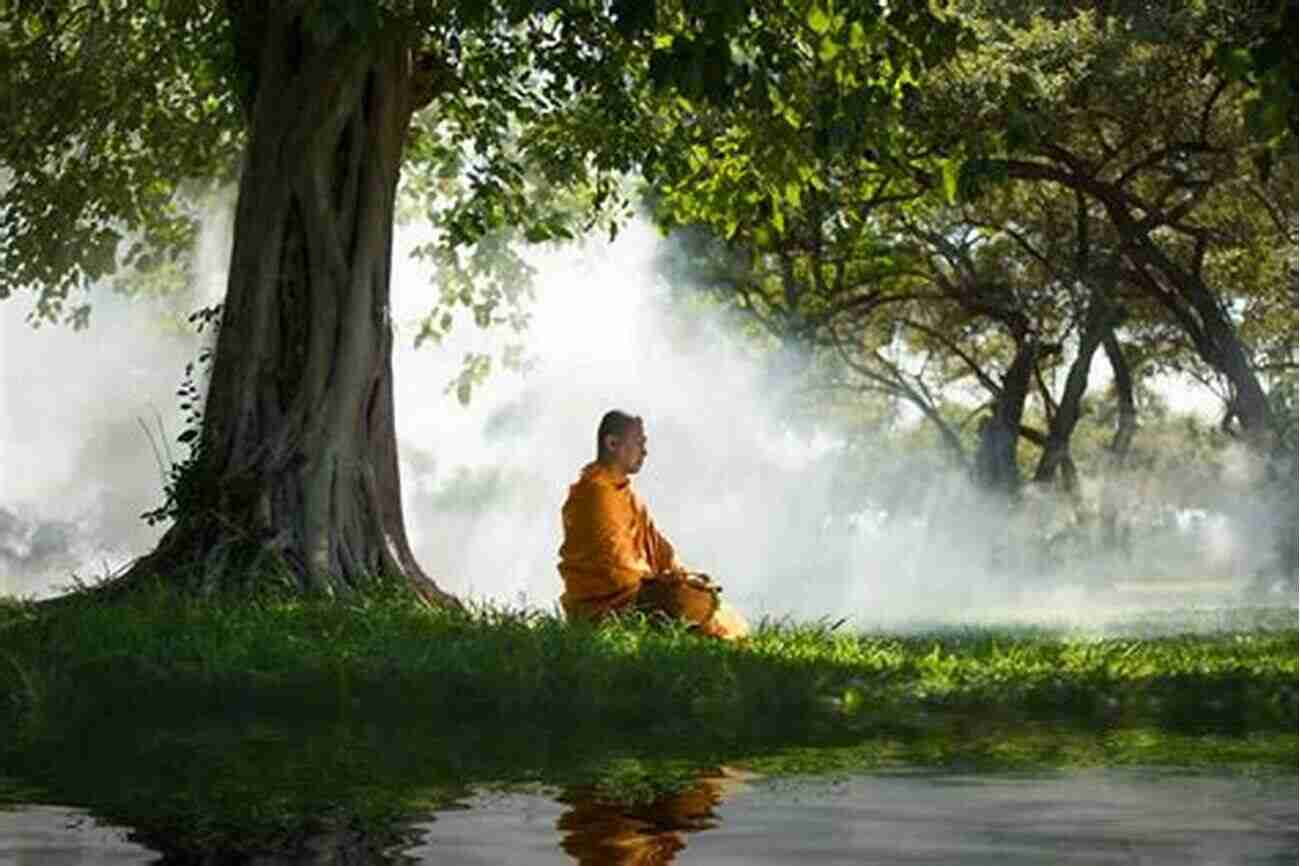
(256, 728)
(164, 657)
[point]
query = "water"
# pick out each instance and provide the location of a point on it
(1084, 817)
(58, 836)
(730, 816)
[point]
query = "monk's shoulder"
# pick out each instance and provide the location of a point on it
(596, 492)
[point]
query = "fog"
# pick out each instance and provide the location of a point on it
(762, 503)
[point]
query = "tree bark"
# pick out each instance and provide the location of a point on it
(296, 472)
(1056, 452)
(996, 469)
(1126, 416)
(1117, 536)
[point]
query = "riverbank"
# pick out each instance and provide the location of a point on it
(168, 657)
(256, 729)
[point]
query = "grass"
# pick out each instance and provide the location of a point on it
(249, 727)
(166, 654)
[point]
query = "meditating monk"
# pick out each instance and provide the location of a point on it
(614, 558)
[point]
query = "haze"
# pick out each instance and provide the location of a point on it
(742, 497)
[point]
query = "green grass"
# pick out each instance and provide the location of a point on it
(165, 655)
(244, 727)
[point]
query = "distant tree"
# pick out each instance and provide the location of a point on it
(1139, 225)
(1118, 104)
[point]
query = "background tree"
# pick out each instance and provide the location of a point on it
(1127, 230)
(1121, 107)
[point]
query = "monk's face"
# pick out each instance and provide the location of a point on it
(629, 450)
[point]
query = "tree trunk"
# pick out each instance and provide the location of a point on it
(1114, 535)
(1126, 416)
(1056, 453)
(1217, 341)
(296, 473)
(996, 469)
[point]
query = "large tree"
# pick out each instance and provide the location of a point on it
(112, 108)
(318, 106)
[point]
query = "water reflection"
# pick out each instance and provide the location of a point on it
(1075, 818)
(600, 830)
(245, 790)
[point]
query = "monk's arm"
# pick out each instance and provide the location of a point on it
(663, 558)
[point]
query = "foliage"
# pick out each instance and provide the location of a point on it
(1118, 106)
(111, 110)
(840, 167)
(780, 199)
(182, 484)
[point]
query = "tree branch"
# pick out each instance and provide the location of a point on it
(1164, 153)
(991, 386)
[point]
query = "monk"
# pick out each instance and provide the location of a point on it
(613, 557)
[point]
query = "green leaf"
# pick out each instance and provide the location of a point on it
(633, 17)
(1258, 115)
(950, 174)
(1235, 63)
(857, 36)
(828, 50)
(1020, 130)
(793, 193)
(819, 19)
(536, 234)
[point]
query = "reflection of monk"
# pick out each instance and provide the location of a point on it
(604, 832)
(612, 550)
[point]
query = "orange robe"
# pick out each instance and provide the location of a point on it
(605, 832)
(602, 831)
(610, 544)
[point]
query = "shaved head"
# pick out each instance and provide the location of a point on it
(617, 424)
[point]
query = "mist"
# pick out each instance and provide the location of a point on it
(749, 493)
